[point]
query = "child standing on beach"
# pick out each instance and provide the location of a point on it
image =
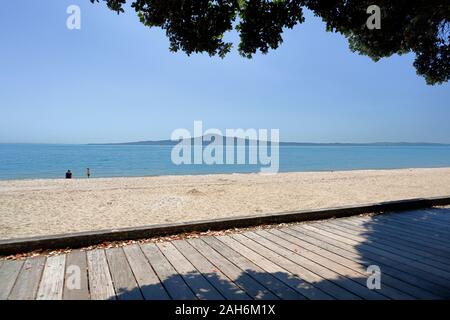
(88, 172)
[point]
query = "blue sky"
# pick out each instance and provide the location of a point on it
(115, 80)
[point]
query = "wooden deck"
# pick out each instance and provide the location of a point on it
(317, 260)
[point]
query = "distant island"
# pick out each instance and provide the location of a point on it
(300, 144)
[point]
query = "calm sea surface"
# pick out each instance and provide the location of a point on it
(25, 161)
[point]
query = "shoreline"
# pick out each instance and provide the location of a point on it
(37, 207)
(219, 173)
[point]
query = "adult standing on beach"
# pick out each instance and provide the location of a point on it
(88, 172)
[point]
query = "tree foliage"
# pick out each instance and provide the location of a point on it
(193, 26)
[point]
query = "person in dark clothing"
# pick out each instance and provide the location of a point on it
(88, 172)
(69, 174)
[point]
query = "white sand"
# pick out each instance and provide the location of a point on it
(38, 207)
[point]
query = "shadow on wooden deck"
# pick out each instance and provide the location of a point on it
(407, 252)
(333, 259)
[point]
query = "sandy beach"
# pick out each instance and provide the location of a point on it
(40, 207)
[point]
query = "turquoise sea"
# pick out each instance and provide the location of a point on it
(28, 161)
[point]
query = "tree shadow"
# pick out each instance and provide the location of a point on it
(360, 251)
(409, 248)
(239, 289)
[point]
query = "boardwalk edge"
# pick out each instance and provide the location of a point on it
(89, 238)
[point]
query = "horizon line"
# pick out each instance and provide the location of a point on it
(168, 141)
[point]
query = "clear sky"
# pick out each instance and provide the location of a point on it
(115, 81)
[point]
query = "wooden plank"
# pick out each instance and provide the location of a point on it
(378, 237)
(436, 233)
(194, 279)
(379, 255)
(425, 289)
(28, 280)
(148, 281)
(430, 213)
(300, 271)
(76, 277)
(436, 275)
(216, 277)
(171, 280)
(237, 275)
(407, 232)
(414, 239)
(100, 282)
(400, 255)
(356, 274)
(442, 228)
(401, 252)
(300, 285)
(433, 224)
(411, 233)
(52, 282)
(381, 236)
(423, 218)
(429, 223)
(340, 275)
(125, 285)
(8, 274)
(266, 279)
(438, 214)
(361, 267)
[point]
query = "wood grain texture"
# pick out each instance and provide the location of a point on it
(28, 280)
(148, 281)
(215, 276)
(9, 270)
(171, 280)
(100, 282)
(237, 275)
(125, 284)
(52, 281)
(194, 279)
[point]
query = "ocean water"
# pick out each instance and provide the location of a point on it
(29, 161)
